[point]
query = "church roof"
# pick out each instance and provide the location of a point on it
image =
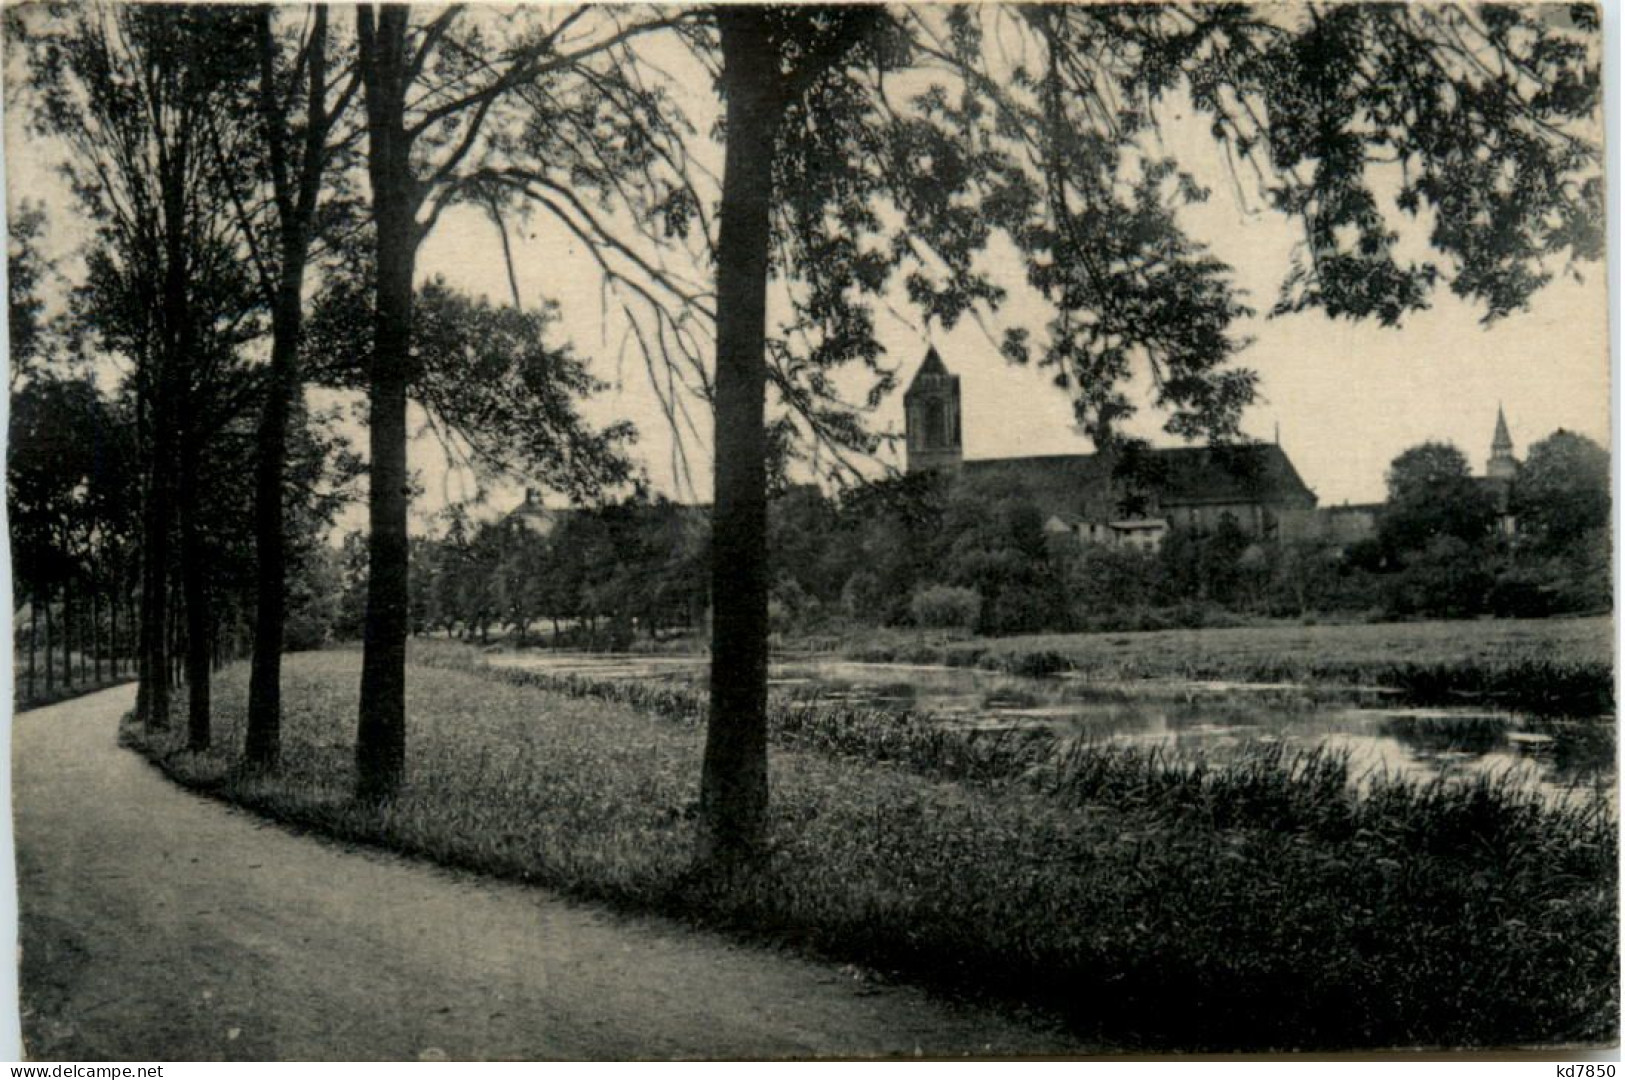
(1180, 476)
(532, 514)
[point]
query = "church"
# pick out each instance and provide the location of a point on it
(1127, 499)
(1132, 499)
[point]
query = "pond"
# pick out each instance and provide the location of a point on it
(1377, 731)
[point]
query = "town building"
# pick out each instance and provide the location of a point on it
(1346, 525)
(1129, 499)
(1132, 499)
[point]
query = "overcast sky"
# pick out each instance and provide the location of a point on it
(1346, 398)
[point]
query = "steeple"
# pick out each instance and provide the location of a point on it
(931, 365)
(931, 416)
(1502, 465)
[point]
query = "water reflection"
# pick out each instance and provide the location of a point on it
(1553, 755)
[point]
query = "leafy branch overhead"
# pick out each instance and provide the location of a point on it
(494, 391)
(1347, 117)
(932, 136)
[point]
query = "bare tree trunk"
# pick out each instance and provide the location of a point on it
(733, 783)
(154, 646)
(381, 731)
(112, 633)
(50, 661)
(33, 633)
(67, 633)
(177, 644)
(143, 661)
(295, 211)
(84, 637)
(96, 632)
(195, 586)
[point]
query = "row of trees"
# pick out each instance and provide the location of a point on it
(937, 551)
(72, 512)
(596, 577)
(225, 154)
(76, 497)
(208, 147)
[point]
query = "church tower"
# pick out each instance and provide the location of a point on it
(1502, 465)
(931, 410)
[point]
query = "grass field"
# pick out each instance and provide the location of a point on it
(1154, 902)
(1550, 664)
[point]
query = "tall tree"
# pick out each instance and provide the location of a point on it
(771, 59)
(1481, 114)
(300, 144)
(733, 783)
(434, 95)
(1432, 494)
(131, 92)
(1562, 493)
(392, 59)
(26, 270)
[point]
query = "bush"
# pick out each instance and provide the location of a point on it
(1102, 579)
(945, 607)
(1037, 663)
(863, 597)
(1022, 608)
(1446, 580)
(305, 630)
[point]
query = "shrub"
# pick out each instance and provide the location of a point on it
(863, 597)
(1103, 579)
(945, 607)
(305, 630)
(1039, 662)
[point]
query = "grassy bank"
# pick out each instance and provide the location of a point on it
(1550, 665)
(1153, 902)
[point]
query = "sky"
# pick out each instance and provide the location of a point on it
(1345, 398)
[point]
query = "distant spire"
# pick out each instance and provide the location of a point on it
(1503, 438)
(1277, 433)
(1502, 465)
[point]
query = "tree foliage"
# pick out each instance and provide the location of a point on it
(26, 272)
(497, 392)
(1563, 492)
(1432, 494)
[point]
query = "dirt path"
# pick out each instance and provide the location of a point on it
(158, 925)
